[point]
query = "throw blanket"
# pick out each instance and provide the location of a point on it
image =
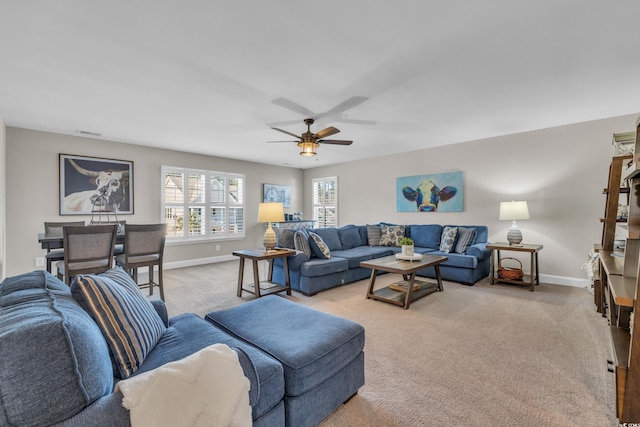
(205, 389)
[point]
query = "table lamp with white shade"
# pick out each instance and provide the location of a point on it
(270, 212)
(512, 211)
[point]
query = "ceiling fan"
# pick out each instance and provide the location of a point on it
(335, 114)
(309, 141)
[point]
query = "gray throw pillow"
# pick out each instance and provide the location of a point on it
(373, 235)
(285, 238)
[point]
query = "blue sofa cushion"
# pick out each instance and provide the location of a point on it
(448, 239)
(188, 333)
(426, 236)
(309, 354)
(349, 237)
(457, 260)
(128, 321)
(330, 237)
(54, 361)
(465, 239)
(318, 246)
(355, 256)
(320, 267)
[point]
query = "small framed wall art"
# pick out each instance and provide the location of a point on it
(277, 193)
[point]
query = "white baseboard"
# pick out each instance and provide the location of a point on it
(565, 281)
(198, 261)
(143, 275)
(544, 278)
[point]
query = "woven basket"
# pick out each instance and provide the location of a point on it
(510, 273)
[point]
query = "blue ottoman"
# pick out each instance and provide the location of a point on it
(322, 355)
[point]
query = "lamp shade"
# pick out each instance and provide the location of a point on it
(270, 212)
(513, 210)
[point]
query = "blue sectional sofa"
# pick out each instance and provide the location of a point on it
(56, 367)
(310, 271)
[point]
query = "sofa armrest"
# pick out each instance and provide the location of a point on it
(480, 251)
(294, 261)
(251, 373)
(161, 308)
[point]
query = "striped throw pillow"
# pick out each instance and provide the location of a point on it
(373, 235)
(301, 243)
(128, 321)
(465, 238)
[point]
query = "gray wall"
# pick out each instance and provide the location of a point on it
(32, 197)
(3, 198)
(560, 172)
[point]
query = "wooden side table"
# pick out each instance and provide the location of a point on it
(534, 277)
(262, 255)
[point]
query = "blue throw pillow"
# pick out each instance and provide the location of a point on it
(318, 246)
(349, 237)
(448, 239)
(128, 321)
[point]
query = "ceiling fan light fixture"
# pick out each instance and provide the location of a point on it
(308, 148)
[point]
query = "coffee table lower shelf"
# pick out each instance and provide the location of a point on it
(421, 288)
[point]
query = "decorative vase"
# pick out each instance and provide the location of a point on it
(407, 250)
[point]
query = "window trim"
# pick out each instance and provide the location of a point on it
(315, 205)
(207, 205)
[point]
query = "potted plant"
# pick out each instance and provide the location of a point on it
(407, 246)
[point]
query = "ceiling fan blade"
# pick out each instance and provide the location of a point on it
(344, 106)
(290, 105)
(269, 142)
(357, 121)
(326, 132)
(335, 141)
(287, 132)
(284, 123)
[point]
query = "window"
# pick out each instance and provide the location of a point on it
(325, 202)
(211, 202)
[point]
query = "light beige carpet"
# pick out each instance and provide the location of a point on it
(469, 356)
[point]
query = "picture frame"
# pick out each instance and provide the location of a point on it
(90, 185)
(277, 193)
(440, 192)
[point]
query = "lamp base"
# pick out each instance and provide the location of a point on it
(514, 236)
(269, 239)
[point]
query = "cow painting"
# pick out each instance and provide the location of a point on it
(428, 195)
(441, 192)
(95, 186)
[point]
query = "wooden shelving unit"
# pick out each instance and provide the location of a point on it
(613, 191)
(618, 283)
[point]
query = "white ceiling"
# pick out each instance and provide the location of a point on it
(201, 75)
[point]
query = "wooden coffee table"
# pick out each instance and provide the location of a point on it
(404, 292)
